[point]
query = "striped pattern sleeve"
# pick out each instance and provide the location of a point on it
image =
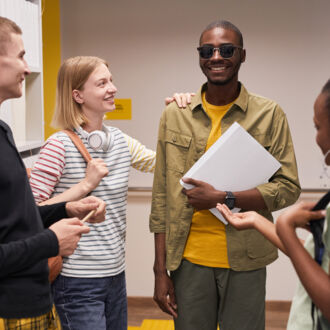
(142, 158)
(47, 169)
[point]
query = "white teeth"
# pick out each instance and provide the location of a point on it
(218, 68)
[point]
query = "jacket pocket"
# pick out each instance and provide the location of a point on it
(257, 245)
(177, 147)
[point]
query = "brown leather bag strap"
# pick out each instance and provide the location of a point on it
(79, 144)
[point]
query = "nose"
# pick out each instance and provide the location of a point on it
(112, 88)
(216, 54)
(26, 69)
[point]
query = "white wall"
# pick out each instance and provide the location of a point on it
(151, 48)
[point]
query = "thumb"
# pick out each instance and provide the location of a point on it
(190, 181)
(73, 221)
(83, 230)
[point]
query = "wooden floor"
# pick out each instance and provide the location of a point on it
(140, 308)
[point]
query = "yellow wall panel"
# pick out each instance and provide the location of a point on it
(51, 37)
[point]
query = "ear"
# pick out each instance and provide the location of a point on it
(77, 96)
(243, 55)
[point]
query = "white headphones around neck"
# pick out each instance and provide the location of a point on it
(98, 140)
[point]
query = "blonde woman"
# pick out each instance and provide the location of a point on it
(90, 293)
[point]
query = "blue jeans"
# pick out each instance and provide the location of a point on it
(91, 303)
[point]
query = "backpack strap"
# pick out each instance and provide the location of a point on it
(79, 144)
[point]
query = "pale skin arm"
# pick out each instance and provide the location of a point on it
(203, 197)
(314, 279)
(96, 170)
(164, 290)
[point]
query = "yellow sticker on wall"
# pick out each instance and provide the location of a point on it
(123, 110)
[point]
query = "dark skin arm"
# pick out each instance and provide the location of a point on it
(204, 196)
(315, 280)
(164, 291)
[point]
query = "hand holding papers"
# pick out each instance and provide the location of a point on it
(235, 162)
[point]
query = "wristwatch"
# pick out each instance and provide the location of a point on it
(230, 200)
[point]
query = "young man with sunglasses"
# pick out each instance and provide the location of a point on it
(217, 274)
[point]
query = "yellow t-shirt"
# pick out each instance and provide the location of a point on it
(206, 244)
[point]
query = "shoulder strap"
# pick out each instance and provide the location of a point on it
(79, 144)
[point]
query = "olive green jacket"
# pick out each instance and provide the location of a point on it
(182, 139)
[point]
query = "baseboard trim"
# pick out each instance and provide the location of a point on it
(272, 305)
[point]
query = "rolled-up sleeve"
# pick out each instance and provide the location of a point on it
(283, 189)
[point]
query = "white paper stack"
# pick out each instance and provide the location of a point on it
(235, 162)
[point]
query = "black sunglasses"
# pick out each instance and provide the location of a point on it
(226, 51)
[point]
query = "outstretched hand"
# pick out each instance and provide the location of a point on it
(240, 221)
(181, 99)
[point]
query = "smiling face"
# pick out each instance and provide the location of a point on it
(98, 92)
(13, 68)
(220, 71)
(322, 124)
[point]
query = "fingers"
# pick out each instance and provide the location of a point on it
(101, 210)
(315, 215)
(98, 205)
(80, 227)
(72, 221)
(306, 205)
(83, 230)
(181, 99)
(178, 99)
(190, 181)
(166, 306)
(172, 303)
(98, 165)
(224, 210)
(169, 100)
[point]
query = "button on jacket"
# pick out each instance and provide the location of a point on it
(182, 139)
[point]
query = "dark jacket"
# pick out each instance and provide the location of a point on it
(25, 244)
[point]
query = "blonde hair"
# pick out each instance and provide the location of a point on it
(7, 27)
(72, 75)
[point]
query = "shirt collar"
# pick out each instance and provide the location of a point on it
(241, 102)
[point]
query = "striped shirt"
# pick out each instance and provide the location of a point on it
(101, 252)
